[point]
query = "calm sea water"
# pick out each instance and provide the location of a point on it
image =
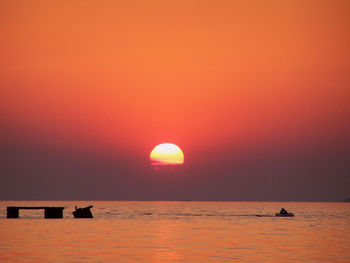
(178, 232)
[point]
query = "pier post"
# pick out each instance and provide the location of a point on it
(12, 212)
(53, 212)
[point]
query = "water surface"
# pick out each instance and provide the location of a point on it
(178, 232)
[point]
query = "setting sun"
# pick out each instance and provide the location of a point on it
(167, 154)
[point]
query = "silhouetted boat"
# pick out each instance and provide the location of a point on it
(83, 212)
(284, 214)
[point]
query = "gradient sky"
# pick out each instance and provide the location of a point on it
(255, 93)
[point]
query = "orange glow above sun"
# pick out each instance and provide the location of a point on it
(167, 154)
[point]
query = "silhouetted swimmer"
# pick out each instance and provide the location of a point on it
(283, 211)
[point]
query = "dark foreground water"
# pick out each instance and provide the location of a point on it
(178, 232)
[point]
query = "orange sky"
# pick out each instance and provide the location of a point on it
(215, 77)
(137, 73)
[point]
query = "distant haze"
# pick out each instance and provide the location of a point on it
(255, 93)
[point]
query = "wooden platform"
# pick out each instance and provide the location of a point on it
(49, 211)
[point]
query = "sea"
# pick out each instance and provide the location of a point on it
(184, 231)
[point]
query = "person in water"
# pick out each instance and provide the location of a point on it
(283, 211)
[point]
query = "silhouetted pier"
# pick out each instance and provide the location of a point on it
(50, 212)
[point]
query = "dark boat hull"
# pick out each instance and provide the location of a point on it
(83, 212)
(284, 215)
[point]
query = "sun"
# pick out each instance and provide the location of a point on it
(166, 154)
